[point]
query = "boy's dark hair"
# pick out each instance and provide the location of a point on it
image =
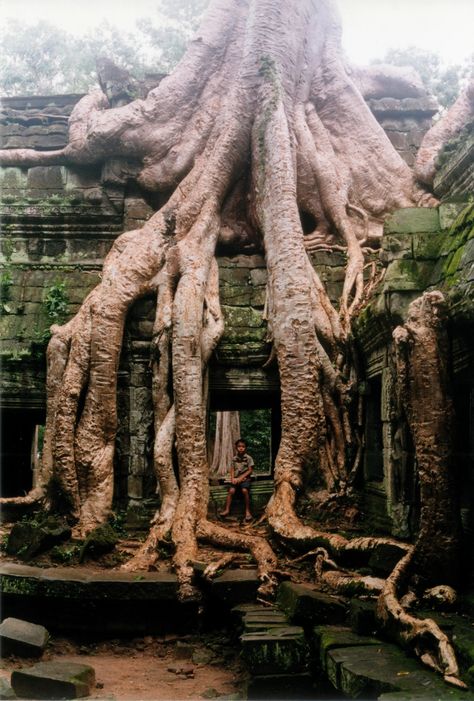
(240, 440)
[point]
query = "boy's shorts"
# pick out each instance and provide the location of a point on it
(243, 485)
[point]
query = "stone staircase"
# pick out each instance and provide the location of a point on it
(309, 646)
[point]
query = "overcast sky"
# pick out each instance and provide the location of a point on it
(370, 26)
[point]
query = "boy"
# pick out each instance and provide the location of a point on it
(240, 472)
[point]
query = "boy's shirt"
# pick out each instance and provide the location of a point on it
(242, 464)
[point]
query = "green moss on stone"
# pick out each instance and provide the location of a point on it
(412, 220)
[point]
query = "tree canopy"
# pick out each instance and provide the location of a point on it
(41, 58)
(443, 81)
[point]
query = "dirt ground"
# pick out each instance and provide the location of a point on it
(154, 668)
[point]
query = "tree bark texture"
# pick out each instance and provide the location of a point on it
(260, 122)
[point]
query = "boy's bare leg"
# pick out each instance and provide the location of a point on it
(246, 494)
(228, 503)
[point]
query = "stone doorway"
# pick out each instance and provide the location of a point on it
(21, 431)
(260, 426)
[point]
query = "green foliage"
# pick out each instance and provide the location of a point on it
(6, 282)
(117, 521)
(41, 58)
(56, 302)
(7, 248)
(170, 29)
(443, 81)
(100, 541)
(66, 554)
(255, 428)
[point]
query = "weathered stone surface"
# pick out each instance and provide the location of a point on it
(75, 583)
(411, 220)
(448, 212)
(101, 540)
(263, 620)
(425, 106)
(406, 275)
(45, 178)
(304, 605)
(281, 650)
(22, 638)
(396, 246)
(54, 680)
(6, 692)
(326, 638)
(370, 671)
(426, 246)
(236, 586)
(455, 174)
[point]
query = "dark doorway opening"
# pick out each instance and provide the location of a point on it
(260, 422)
(19, 445)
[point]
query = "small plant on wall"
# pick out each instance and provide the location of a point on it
(56, 302)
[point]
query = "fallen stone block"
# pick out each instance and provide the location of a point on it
(305, 605)
(22, 638)
(278, 651)
(54, 680)
(100, 541)
(34, 537)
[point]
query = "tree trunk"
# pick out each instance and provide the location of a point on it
(227, 433)
(259, 123)
(421, 348)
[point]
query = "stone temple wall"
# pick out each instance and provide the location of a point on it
(58, 224)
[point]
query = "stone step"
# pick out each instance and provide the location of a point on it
(78, 599)
(460, 631)
(236, 586)
(263, 620)
(21, 638)
(372, 670)
(54, 680)
(260, 493)
(282, 687)
(304, 605)
(281, 650)
(326, 638)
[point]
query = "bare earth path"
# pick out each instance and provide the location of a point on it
(152, 668)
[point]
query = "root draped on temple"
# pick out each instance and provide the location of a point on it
(261, 122)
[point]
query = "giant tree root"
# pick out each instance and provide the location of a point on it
(424, 637)
(259, 124)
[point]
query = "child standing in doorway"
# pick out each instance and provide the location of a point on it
(240, 473)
